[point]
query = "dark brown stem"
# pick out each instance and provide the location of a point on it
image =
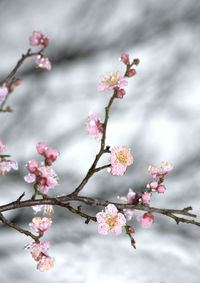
(95, 202)
(19, 229)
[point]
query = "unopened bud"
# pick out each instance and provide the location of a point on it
(136, 61)
(131, 73)
(46, 41)
(121, 93)
(131, 229)
(161, 189)
(125, 59)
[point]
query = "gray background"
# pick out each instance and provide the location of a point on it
(158, 119)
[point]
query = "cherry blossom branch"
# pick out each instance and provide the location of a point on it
(95, 202)
(19, 229)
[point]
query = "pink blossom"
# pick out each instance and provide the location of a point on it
(125, 59)
(46, 263)
(2, 146)
(39, 252)
(47, 178)
(40, 225)
(7, 165)
(48, 208)
(41, 147)
(110, 220)
(37, 38)
(43, 62)
(120, 159)
(37, 208)
(153, 185)
(160, 172)
(30, 178)
(33, 166)
(51, 155)
(94, 127)
(38, 249)
(146, 196)
(146, 220)
(111, 80)
(161, 189)
(3, 93)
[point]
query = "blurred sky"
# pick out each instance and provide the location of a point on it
(158, 119)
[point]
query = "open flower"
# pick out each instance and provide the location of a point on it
(7, 165)
(110, 220)
(120, 159)
(161, 171)
(37, 38)
(48, 209)
(42, 62)
(111, 80)
(38, 249)
(94, 127)
(146, 220)
(40, 225)
(46, 263)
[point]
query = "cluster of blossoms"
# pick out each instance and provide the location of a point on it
(158, 174)
(39, 253)
(6, 165)
(43, 176)
(38, 39)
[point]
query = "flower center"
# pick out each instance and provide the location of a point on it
(111, 221)
(121, 158)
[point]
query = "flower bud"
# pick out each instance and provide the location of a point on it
(131, 229)
(161, 189)
(136, 61)
(131, 73)
(125, 59)
(153, 185)
(121, 93)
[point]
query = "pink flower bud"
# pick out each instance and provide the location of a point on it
(32, 166)
(41, 147)
(161, 189)
(125, 59)
(136, 61)
(131, 229)
(131, 73)
(121, 93)
(153, 185)
(51, 155)
(35, 38)
(46, 41)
